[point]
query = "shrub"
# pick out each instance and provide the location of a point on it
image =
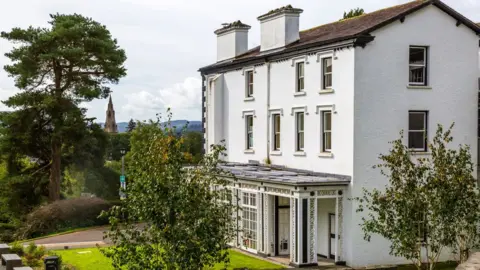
(63, 215)
(33, 255)
(17, 248)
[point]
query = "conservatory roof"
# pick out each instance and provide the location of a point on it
(282, 175)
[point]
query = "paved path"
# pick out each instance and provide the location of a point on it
(82, 239)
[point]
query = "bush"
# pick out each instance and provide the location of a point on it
(17, 248)
(33, 255)
(63, 215)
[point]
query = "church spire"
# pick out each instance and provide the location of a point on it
(110, 123)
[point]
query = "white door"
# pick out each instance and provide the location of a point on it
(284, 231)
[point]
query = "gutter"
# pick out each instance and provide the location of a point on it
(268, 111)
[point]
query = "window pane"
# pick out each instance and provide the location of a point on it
(277, 122)
(327, 81)
(277, 141)
(300, 121)
(416, 140)
(327, 141)
(416, 121)
(417, 56)
(300, 84)
(417, 74)
(300, 141)
(250, 76)
(300, 69)
(327, 65)
(327, 118)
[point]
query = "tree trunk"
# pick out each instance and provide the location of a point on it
(55, 171)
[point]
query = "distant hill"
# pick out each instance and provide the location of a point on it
(178, 124)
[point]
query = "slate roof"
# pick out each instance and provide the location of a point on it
(281, 175)
(357, 27)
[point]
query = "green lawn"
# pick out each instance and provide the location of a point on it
(92, 259)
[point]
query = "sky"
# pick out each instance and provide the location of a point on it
(166, 41)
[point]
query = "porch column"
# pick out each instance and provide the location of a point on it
(339, 227)
(303, 232)
(264, 216)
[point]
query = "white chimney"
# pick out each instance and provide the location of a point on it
(279, 27)
(232, 40)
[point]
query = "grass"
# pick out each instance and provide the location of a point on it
(92, 259)
(438, 266)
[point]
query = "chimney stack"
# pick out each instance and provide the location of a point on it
(279, 27)
(232, 40)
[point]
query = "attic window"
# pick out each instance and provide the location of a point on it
(418, 65)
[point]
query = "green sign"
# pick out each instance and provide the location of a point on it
(122, 178)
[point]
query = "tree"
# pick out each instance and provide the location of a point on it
(193, 144)
(131, 125)
(73, 61)
(430, 203)
(188, 223)
(353, 13)
(117, 142)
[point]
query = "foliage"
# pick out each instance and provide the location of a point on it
(33, 256)
(63, 214)
(430, 203)
(353, 13)
(17, 248)
(104, 182)
(187, 223)
(131, 125)
(73, 61)
(93, 259)
(193, 144)
(117, 142)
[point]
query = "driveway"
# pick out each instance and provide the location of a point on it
(82, 239)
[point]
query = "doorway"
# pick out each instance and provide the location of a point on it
(282, 226)
(331, 235)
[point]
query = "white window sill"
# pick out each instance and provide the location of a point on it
(249, 151)
(299, 94)
(249, 99)
(325, 155)
(326, 91)
(419, 87)
(276, 153)
(300, 154)
(420, 153)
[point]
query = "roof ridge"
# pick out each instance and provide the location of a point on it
(365, 14)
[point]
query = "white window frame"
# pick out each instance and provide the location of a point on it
(324, 73)
(249, 85)
(276, 132)
(250, 206)
(248, 139)
(424, 66)
(424, 131)
(298, 77)
(298, 147)
(324, 131)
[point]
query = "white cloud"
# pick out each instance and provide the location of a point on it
(184, 99)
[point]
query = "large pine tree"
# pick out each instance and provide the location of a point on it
(58, 67)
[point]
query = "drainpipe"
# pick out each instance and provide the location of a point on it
(268, 110)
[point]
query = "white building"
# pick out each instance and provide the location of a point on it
(320, 105)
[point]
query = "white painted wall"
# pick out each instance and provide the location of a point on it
(236, 105)
(324, 208)
(231, 44)
(279, 31)
(282, 97)
(382, 102)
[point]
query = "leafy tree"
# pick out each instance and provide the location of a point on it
(187, 223)
(353, 13)
(131, 125)
(117, 142)
(58, 67)
(430, 203)
(193, 144)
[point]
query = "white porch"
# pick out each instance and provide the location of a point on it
(301, 223)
